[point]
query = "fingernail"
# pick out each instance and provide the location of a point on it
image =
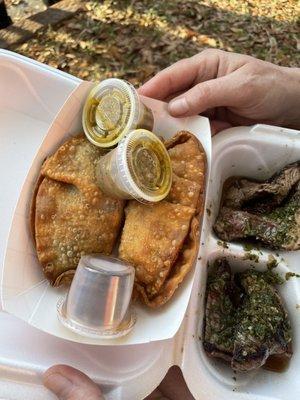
(178, 106)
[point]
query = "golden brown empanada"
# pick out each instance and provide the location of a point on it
(70, 214)
(184, 263)
(151, 239)
(184, 192)
(74, 162)
(187, 157)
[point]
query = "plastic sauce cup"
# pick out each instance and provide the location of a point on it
(138, 168)
(98, 302)
(113, 108)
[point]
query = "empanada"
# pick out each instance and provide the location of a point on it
(152, 237)
(187, 157)
(74, 162)
(152, 240)
(70, 214)
(184, 192)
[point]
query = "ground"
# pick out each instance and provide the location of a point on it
(135, 39)
(19, 9)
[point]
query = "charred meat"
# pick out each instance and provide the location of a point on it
(263, 326)
(220, 312)
(245, 320)
(268, 212)
(262, 196)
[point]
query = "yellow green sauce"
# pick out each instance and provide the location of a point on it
(107, 116)
(150, 166)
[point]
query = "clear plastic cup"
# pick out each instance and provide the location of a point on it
(139, 168)
(98, 302)
(112, 109)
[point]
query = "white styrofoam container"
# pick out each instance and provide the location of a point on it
(254, 152)
(26, 352)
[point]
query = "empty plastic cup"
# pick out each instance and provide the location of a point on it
(98, 302)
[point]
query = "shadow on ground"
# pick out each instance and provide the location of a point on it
(133, 40)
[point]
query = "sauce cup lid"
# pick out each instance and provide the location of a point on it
(111, 110)
(145, 166)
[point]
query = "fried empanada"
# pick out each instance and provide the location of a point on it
(188, 161)
(184, 192)
(187, 157)
(74, 162)
(151, 239)
(70, 215)
(184, 263)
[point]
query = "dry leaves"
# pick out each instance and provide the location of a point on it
(135, 39)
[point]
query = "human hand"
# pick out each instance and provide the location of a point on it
(232, 89)
(68, 383)
(173, 387)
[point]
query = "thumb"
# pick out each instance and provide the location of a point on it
(68, 383)
(209, 94)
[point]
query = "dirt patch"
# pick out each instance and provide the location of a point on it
(19, 9)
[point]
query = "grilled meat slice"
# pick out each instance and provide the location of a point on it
(279, 229)
(245, 320)
(220, 312)
(261, 197)
(263, 325)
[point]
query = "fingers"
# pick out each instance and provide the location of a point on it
(210, 94)
(156, 395)
(68, 383)
(218, 126)
(173, 387)
(173, 79)
(184, 74)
